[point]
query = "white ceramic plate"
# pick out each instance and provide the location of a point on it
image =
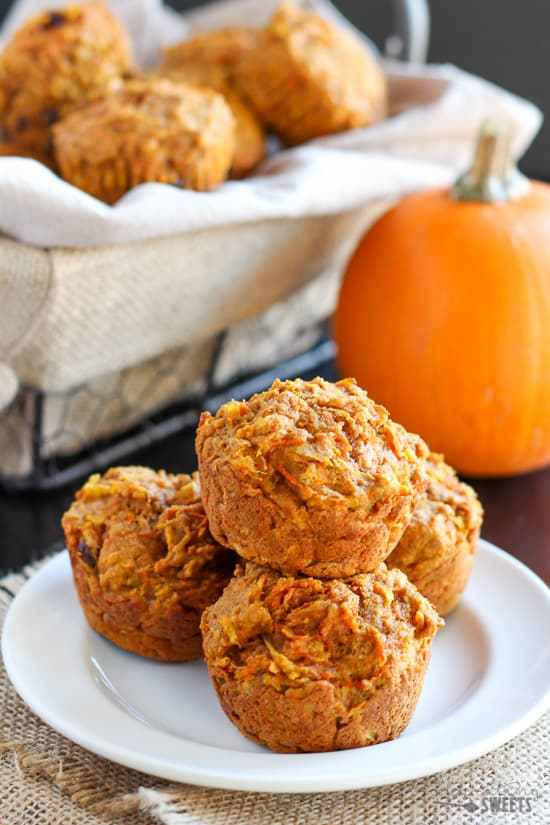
(488, 680)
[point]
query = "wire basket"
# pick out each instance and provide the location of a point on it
(48, 467)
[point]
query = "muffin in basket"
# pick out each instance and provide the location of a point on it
(221, 49)
(250, 139)
(144, 563)
(437, 549)
(309, 477)
(305, 664)
(210, 59)
(55, 62)
(307, 78)
(150, 130)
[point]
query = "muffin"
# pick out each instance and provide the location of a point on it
(144, 563)
(222, 48)
(437, 549)
(307, 78)
(309, 477)
(250, 139)
(151, 130)
(210, 59)
(305, 664)
(55, 62)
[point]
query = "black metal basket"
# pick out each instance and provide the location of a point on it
(54, 471)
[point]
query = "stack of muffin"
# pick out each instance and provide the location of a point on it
(71, 97)
(316, 555)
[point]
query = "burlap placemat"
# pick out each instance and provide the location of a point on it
(46, 780)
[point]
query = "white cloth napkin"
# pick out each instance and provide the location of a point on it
(436, 112)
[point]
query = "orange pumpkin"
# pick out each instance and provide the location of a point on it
(444, 316)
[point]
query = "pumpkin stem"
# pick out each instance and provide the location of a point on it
(493, 175)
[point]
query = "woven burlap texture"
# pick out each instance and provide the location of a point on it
(46, 780)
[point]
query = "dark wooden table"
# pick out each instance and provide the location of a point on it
(517, 510)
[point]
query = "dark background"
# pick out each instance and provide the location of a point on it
(505, 41)
(502, 40)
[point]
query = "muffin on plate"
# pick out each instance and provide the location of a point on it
(55, 62)
(150, 130)
(144, 562)
(437, 549)
(210, 59)
(307, 77)
(309, 477)
(305, 664)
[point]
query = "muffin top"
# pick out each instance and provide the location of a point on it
(291, 631)
(66, 55)
(321, 443)
(222, 48)
(198, 74)
(446, 517)
(144, 531)
(328, 52)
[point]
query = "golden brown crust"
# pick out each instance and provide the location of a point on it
(55, 62)
(211, 59)
(309, 477)
(151, 130)
(144, 562)
(224, 47)
(307, 77)
(303, 664)
(250, 139)
(437, 549)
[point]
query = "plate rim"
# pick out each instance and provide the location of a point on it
(234, 779)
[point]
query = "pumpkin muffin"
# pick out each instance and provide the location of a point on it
(309, 477)
(144, 563)
(305, 664)
(210, 59)
(55, 62)
(437, 549)
(307, 78)
(250, 139)
(151, 130)
(222, 48)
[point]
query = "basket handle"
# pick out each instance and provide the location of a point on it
(410, 42)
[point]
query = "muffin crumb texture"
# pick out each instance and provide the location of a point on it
(144, 562)
(303, 664)
(55, 63)
(210, 59)
(307, 77)
(437, 549)
(309, 477)
(152, 130)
